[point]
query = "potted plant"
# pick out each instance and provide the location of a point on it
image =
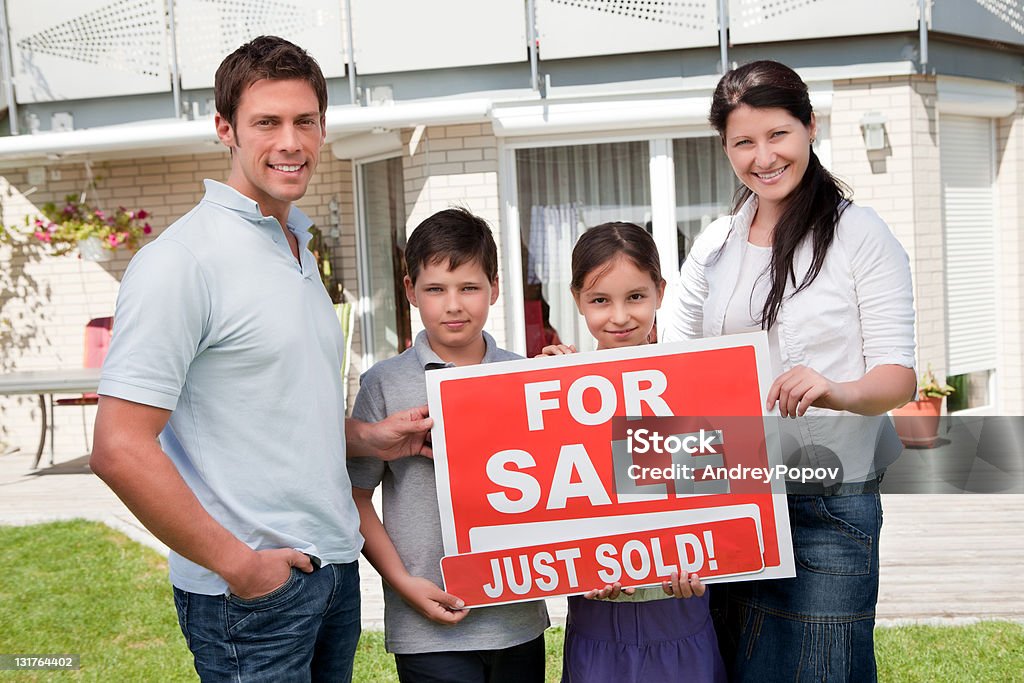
(74, 224)
(917, 423)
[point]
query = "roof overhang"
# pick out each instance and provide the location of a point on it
(179, 136)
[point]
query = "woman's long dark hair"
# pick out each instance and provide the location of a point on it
(815, 205)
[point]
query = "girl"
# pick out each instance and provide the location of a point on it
(831, 285)
(614, 635)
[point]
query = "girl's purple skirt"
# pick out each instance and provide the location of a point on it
(659, 640)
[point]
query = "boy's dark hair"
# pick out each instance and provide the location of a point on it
(266, 57)
(453, 235)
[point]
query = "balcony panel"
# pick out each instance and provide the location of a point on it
(77, 49)
(586, 28)
(765, 21)
(394, 35)
(208, 30)
(1001, 20)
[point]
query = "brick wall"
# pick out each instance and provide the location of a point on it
(45, 300)
(902, 184)
(447, 166)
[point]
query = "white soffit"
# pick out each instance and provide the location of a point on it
(970, 97)
(81, 49)
(365, 145)
(560, 118)
(161, 135)
(207, 30)
(766, 21)
(584, 28)
(410, 36)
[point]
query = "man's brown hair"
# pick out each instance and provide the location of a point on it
(266, 57)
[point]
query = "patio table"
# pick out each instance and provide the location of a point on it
(45, 383)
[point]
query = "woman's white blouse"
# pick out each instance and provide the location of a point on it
(857, 314)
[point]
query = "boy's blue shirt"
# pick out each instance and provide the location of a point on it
(411, 517)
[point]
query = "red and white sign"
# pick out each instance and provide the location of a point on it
(556, 476)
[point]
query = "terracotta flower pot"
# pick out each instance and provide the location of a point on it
(917, 423)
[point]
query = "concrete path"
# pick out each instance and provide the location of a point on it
(945, 558)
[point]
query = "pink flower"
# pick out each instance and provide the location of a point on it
(146, 229)
(112, 239)
(142, 214)
(43, 236)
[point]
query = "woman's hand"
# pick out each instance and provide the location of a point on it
(683, 586)
(800, 388)
(609, 592)
(557, 350)
(883, 388)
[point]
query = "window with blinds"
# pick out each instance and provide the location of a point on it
(966, 152)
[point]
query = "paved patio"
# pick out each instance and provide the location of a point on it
(945, 558)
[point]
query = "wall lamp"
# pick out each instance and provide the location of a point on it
(872, 126)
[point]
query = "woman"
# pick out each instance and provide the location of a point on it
(831, 285)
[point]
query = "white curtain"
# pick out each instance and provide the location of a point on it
(564, 190)
(705, 185)
(553, 233)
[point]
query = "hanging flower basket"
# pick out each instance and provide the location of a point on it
(95, 233)
(91, 249)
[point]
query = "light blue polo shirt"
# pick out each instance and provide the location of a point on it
(217, 322)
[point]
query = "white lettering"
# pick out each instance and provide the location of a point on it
(574, 457)
(528, 487)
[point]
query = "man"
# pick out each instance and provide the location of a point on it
(227, 349)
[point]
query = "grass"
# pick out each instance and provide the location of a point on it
(82, 588)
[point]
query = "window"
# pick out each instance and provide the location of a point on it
(966, 154)
(705, 185)
(562, 191)
(386, 327)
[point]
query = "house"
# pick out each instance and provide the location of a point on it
(544, 116)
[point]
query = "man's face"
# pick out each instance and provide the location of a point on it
(275, 142)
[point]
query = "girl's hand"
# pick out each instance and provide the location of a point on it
(800, 388)
(557, 350)
(609, 592)
(683, 586)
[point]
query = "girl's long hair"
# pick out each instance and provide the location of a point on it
(815, 205)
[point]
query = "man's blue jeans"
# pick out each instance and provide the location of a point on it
(306, 630)
(818, 626)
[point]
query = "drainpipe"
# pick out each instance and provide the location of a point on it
(531, 33)
(923, 34)
(351, 53)
(175, 72)
(6, 70)
(723, 35)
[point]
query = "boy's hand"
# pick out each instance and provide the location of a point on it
(432, 602)
(609, 592)
(396, 436)
(557, 350)
(683, 586)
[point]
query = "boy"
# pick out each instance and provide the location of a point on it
(452, 279)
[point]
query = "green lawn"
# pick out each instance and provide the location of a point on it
(82, 588)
